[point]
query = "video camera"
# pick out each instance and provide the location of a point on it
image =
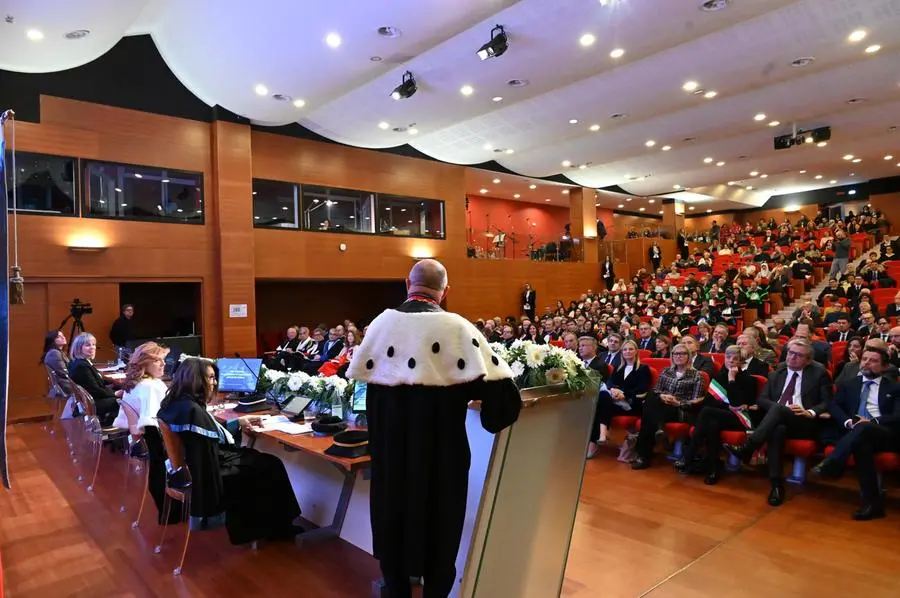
(78, 309)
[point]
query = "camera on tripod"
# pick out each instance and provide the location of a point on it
(79, 309)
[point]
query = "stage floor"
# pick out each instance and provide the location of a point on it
(648, 533)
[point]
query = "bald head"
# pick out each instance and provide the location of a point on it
(428, 277)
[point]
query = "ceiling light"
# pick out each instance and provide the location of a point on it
(851, 192)
(666, 148)
(627, 199)
(466, 90)
(774, 123)
(641, 209)
(125, 205)
(802, 172)
(496, 181)
(720, 163)
(662, 211)
(832, 182)
(566, 163)
(730, 183)
(298, 103)
(138, 175)
(713, 5)
(389, 31)
(582, 166)
(261, 90)
(690, 207)
(651, 201)
(872, 49)
(856, 100)
(164, 181)
(803, 61)
(376, 58)
(889, 157)
(532, 186)
(384, 126)
(483, 191)
(34, 35)
(333, 40)
(822, 144)
(509, 150)
(709, 211)
(548, 199)
(118, 190)
(857, 36)
(587, 39)
(759, 117)
(497, 99)
(749, 187)
(690, 86)
(595, 127)
(412, 131)
(818, 177)
(497, 46)
(565, 191)
(857, 160)
(676, 187)
(573, 121)
(649, 143)
(754, 172)
(516, 196)
(407, 87)
(710, 94)
(617, 53)
(707, 160)
(285, 209)
(848, 156)
(621, 205)
(763, 176)
(488, 146)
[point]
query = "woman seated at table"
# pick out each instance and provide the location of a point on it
(143, 393)
(676, 398)
(622, 395)
(53, 356)
(738, 387)
(84, 374)
(247, 491)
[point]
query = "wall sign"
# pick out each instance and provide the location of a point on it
(237, 310)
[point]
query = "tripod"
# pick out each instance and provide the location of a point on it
(77, 326)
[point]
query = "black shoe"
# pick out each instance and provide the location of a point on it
(743, 452)
(828, 470)
(681, 466)
(776, 495)
(868, 512)
(640, 463)
(712, 478)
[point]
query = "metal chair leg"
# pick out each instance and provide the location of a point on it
(98, 443)
(128, 463)
(137, 520)
(167, 508)
(185, 515)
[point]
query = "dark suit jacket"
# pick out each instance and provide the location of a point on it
(740, 392)
(85, 375)
(616, 360)
(757, 367)
(333, 352)
(636, 384)
(705, 364)
(707, 347)
(529, 297)
(597, 364)
(846, 402)
(651, 343)
(835, 336)
(815, 390)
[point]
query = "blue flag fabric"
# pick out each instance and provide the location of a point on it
(4, 313)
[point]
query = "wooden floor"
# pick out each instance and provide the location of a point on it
(649, 533)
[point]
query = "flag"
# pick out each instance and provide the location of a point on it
(718, 391)
(742, 417)
(4, 313)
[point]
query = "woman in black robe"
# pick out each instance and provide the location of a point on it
(246, 490)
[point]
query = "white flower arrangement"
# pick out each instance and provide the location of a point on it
(533, 364)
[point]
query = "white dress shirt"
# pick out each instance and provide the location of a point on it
(145, 398)
(871, 400)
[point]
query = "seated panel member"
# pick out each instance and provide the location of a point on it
(622, 395)
(867, 410)
(84, 374)
(796, 394)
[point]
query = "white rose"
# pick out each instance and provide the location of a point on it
(517, 368)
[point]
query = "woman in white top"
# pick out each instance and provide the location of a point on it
(144, 392)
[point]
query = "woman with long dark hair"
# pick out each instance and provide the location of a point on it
(246, 490)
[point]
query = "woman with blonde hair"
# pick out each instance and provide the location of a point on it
(144, 391)
(83, 373)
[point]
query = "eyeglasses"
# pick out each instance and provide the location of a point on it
(679, 354)
(795, 354)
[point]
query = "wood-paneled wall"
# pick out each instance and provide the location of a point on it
(889, 204)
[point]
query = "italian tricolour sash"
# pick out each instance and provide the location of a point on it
(720, 394)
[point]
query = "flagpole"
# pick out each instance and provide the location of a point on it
(4, 310)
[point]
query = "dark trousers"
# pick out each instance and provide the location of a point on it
(710, 423)
(656, 263)
(609, 283)
(607, 410)
(779, 424)
(866, 440)
(655, 414)
(107, 409)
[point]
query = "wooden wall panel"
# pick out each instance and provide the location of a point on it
(889, 204)
(703, 223)
(103, 297)
(28, 325)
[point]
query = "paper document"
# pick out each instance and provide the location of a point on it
(280, 423)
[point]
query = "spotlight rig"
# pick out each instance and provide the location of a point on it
(497, 46)
(801, 137)
(407, 87)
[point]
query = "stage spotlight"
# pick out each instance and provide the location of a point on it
(497, 46)
(406, 89)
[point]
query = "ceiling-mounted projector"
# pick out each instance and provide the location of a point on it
(803, 137)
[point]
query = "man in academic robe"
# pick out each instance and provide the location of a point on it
(422, 367)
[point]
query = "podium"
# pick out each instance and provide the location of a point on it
(524, 485)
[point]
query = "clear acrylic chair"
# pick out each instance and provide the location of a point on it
(137, 459)
(178, 487)
(56, 401)
(92, 431)
(73, 426)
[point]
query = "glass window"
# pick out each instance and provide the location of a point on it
(275, 204)
(337, 210)
(410, 216)
(44, 184)
(143, 193)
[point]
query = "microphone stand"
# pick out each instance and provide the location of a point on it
(512, 235)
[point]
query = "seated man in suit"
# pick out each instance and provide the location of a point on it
(328, 349)
(587, 350)
(821, 350)
(843, 332)
(646, 339)
(718, 342)
(866, 410)
(612, 356)
(796, 394)
(752, 364)
(697, 361)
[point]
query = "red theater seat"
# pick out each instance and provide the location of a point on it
(802, 450)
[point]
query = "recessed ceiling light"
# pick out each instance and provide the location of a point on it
(77, 34)
(497, 99)
(466, 90)
(666, 148)
(573, 121)
(509, 150)
(690, 86)
(482, 191)
(627, 199)
(662, 211)
(759, 117)
(532, 186)
(754, 172)
(802, 172)
(720, 163)
(413, 131)
(389, 31)
(848, 157)
(587, 39)
(872, 49)
(384, 126)
(710, 94)
(676, 187)
(548, 199)
(690, 207)
(518, 82)
(496, 181)
(375, 58)
(117, 190)
(595, 127)
(763, 176)
(516, 196)
(566, 163)
(641, 209)
(298, 103)
(832, 182)
(138, 175)
(582, 166)
(709, 211)
(707, 160)
(774, 123)
(818, 177)
(488, 146)
(856, 100)
(261, 90)
(621, 205)
(616, 115)
(822, 144)
(164, 181)
(749, 187)
(617, 53)
(565, 191)
(333, 40)
(851, 192)
(857, 36)
(857, 160)
(649, 143)
(34, 35)
(730, 183)
(889, 157)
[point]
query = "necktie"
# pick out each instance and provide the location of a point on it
(864, 399)
(609, 358)
(843, 336)
(788, 395)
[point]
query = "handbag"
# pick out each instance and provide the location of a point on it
(627, 452)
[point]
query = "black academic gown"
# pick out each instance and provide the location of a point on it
(422, 367)
(247, 491)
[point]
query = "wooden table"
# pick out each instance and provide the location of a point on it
(314, 445)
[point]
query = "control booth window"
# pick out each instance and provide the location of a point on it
(337, 210)
(410, 216)
(44, 184)
(275, 204)
(143, 193)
